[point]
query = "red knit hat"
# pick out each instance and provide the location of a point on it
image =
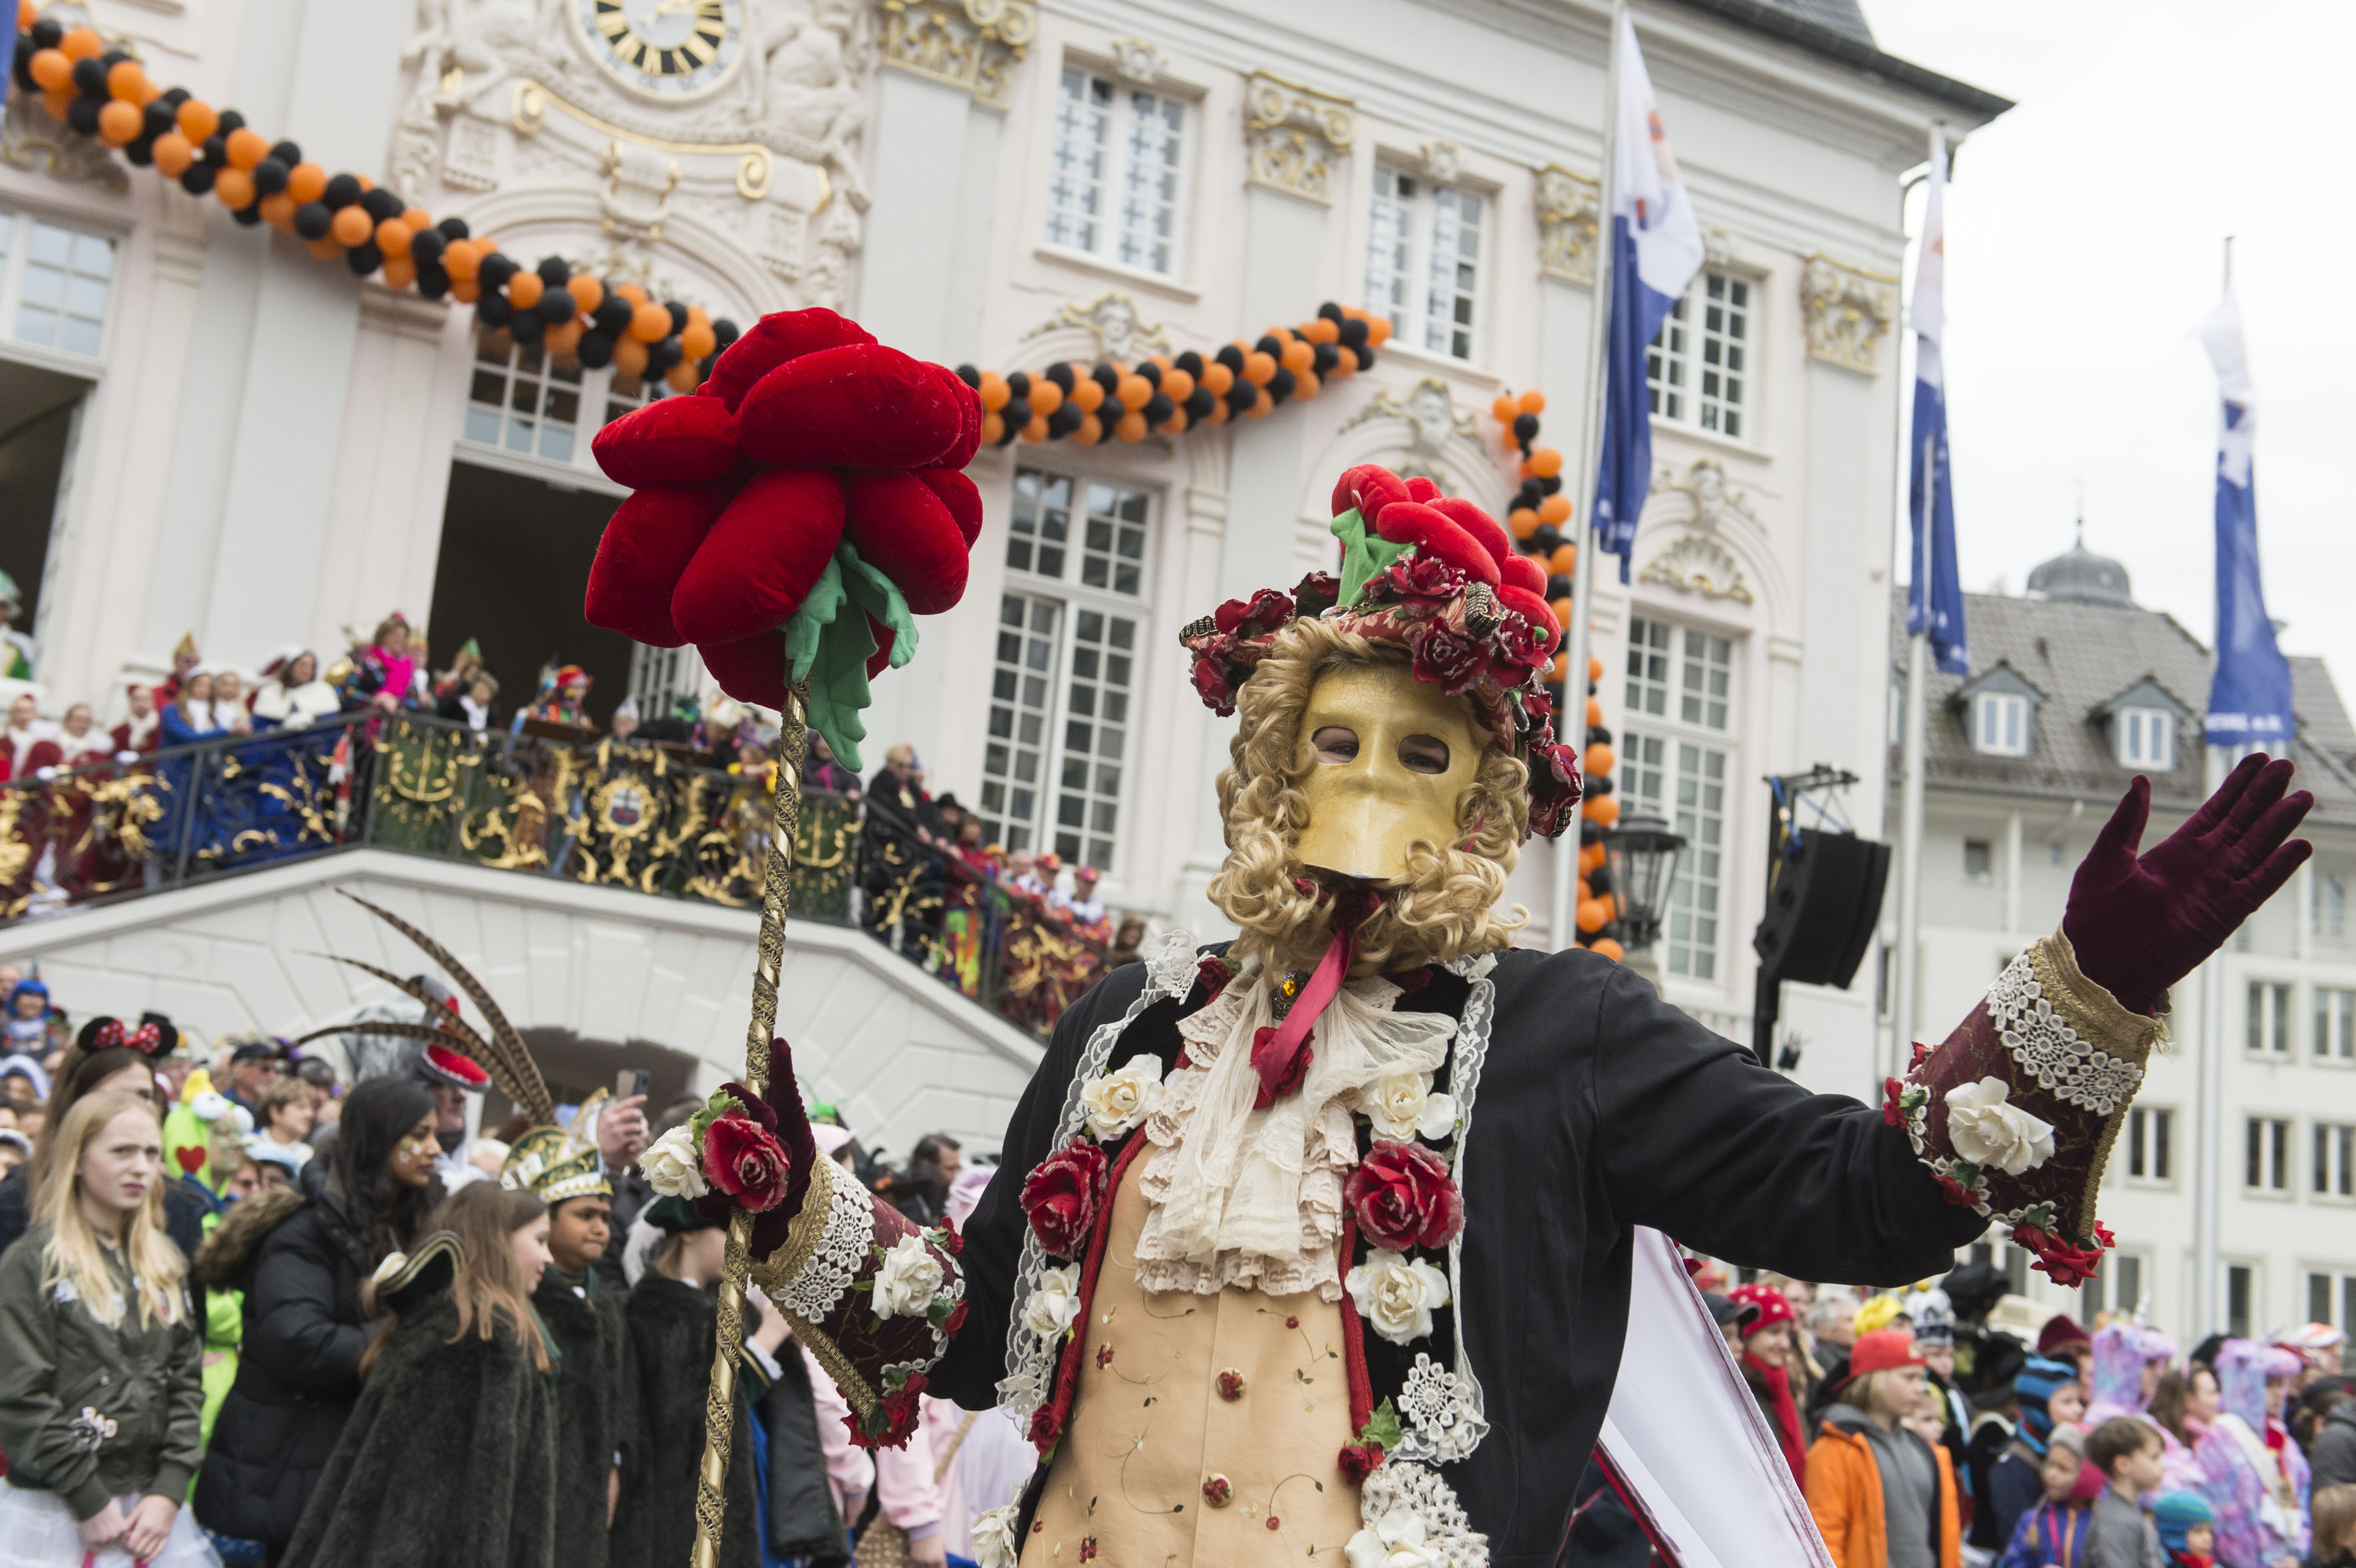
(2062, 1336)
(1883, 1350)
(1773, 1306)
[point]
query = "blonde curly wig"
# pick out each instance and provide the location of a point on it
(1446, 907)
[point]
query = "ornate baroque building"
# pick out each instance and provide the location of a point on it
(254, 446)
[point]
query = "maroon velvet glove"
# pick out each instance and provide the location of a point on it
(2140, 924)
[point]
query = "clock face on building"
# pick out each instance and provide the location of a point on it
(671, 49)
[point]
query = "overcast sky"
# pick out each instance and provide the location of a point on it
(2085, 233)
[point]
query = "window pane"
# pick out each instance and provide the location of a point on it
(1018, 712)
(1077, 163)
(1389, 242)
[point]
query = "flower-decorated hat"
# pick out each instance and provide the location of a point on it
(558, 1163)
(1437, 575)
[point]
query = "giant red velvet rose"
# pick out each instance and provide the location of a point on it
(744, 1160)
(1403, 1197)
(1061, 1197)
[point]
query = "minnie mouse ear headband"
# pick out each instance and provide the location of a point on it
(152, 1036)
(1439, 577)
(791, 516)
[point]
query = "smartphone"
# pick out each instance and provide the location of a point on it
(629, 1081)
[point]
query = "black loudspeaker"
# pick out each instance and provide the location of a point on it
(1822, 909)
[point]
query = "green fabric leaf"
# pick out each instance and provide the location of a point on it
(829, 643)
(1365, 555)
(817, 611)
(873, 592)
(1383, 1425)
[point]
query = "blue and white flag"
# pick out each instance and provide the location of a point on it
(2249, 697)
(1655, 251)
(1935, 594)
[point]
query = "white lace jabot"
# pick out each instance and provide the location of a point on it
(1253, 1198)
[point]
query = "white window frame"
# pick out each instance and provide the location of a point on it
(1680, 754)
(1986, 872)
(1113, 241)
(2144, 739)
(2148, 1158)
(18, 227)
(2331, 1161)
(598, 393)
(2266, 1019)
(2328, 906)
(1701, 369)
(2116, 1288)
(2333, 1038)
(2338, 1296)
(1405, 252)
(1069, 587)
(2266, 1156)
(2000, 724)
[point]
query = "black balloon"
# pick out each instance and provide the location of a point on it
(287, 153)
(141, 152)
(1558, 587)
(527, 327)
(1550, 484)
(453, 228)
(1065, 420)
(725, 331)
(427, 245)
(231, 120)
(1600, 784)
(1353, 331)
(1107, 378)
(1191, 362)
(1270, 344)
(1525, 427)
(1329, 311)
(1150, 371)
(1158, 409)
(342, 191)
(662, 354)
(1328, 356)
(495, 270)
(968, 375)
(1548, 538)
(1016, 414)
(1365, 359)
(20, 67)
(382, 204)
(158, 119)
(595, 349)
(678, 317)
(248, 215)
(82, 114)
(176, 97)
(1230, 356)
(492, 309)
(553, 271)
(1018, 386)
(48, 32)
(197, 179)
(269, 176)
(89, 78)
(311, 220)
(1061, 373)
(1280, 385)
(432, 282)
(612, 314)
(214, 150)
(556, 306)
(1199, 404)
(364, 258)
(1243, 396)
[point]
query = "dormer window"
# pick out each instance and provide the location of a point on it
(2000, 724)
(2145, 738)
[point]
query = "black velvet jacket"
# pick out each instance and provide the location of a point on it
(1600, 1108)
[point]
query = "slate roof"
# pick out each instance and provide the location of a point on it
(2081, 656)
(1837, 30)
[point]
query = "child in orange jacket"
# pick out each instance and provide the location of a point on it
(1870, 1480)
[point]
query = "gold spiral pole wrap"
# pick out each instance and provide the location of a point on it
(720, 1404)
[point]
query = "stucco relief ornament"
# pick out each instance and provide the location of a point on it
(1137, 60)
(1848, 310)
(1113, 320)
(1429, 407)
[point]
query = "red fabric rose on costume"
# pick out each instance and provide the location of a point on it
(1214, 682)
(893, 1423)
(2057, 1259)
(1893, 1114)
(744, 1160)
(1403, 1197)
(1360, 1460)
(1316, 593)
(1448, 658)
(1425, 576)
(1525, 645)
(1555, 789)
(1265, 612)
(1061, 1197)
(1957, 1193)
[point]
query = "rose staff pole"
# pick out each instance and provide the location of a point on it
(720, 1403)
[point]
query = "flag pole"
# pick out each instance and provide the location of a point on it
(1909, 830)
(2210, 1146)
(1563, 927)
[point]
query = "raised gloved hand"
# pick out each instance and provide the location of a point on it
(2139, 924)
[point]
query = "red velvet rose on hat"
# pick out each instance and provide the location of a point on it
(792, 515)
(1438, 576)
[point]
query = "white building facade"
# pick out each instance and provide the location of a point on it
(254, 446)
(2073, 691)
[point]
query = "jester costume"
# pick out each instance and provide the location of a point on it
(1302, 1254)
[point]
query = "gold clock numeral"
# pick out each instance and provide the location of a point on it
(613, 24)
(697, 50)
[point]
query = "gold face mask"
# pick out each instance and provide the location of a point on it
(1388, 757)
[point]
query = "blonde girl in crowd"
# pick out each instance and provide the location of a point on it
(100, 1387)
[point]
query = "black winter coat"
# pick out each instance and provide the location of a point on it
(596, 1410)
(1600, 1108)
(449, 1459)
(298, 1375)
(674, 1328)
(2332, 1456)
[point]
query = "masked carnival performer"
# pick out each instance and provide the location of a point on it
(1319, 1245)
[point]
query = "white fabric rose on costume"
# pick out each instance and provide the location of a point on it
(993, 1536)
(1396, 1294)
(1396, 1541)
(1119, 1100)
(672, 1167)
(1055, 1306)
(1987, 1130)
(911, 1276)
(1401, 1105)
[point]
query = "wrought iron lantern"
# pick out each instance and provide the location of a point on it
(1642, 853)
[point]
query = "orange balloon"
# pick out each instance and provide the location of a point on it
(416, 218)
(400, 272)
(1258, 368)
(685, 376)
(1046, 397)
(278, 211)
(234, 188)
(1306, 385)
(1345, 361)
(246, 147)
(197, 119)
(1607, 947)
(1131, 426)
(1218, 414)
(1595, 668)
(392, 237)
(588, 293)
(1561, 608)
(1594, 713)
(323, 248)
(699, 340)
(460, 258)
(80, 43)
(1544, 463)
(1299, 358)
(524, 289)
(1523, 521)
(1564, 560)
(52, 69)
(632, 293)
(629, 358)
(563, 337)
(1503, 409)
(1263, 408)
(1323, 332)
(1036, 431)
(1178, 384)
(466, 291)
(367, 184)
(350, 226)
(993, 392)
(1379, 330)
(119, 122)
(1531, 401)
(1087, 394)
(1558, 669)
(650, 323)
(994, 427)
(1600, 759)
(1592, 856)
(1554, 510)
(58, 102)
(1601, 810)
(1134, 392)
(1591, 916)
(1217, 380)
(697, 316)
(306, 181)
(1091, 430)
